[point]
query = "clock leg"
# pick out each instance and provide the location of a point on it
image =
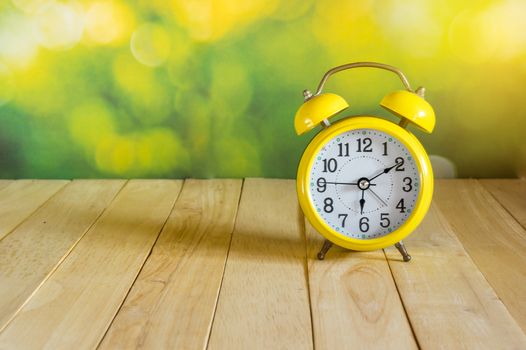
(326, 246)
(401, 248)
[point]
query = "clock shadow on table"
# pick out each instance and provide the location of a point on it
(273, 245)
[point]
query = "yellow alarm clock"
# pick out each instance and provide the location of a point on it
(364, 182)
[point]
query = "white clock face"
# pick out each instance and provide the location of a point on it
(364, 183)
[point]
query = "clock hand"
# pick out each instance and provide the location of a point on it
(377, 197)
(362, 202)
(385, 171)
(345, 183)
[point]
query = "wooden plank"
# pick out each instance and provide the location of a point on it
(354, 300)
(21, 198)
(263, 302)
(172, 303)
(75, 306)
(448, 301)
(493, 238)
(46, 237)
(511, 194)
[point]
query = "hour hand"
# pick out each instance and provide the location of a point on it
(362, 202)
(385, 171)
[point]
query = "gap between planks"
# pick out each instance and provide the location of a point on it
(224, 265)
(303, 225)
(491, 236)
(182, 277)
(48, 236)
(354, 300)
(20, 198)
(263, 302)
(448, 300)
(511, 194)
(107, 259)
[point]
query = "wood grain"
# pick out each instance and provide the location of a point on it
(448, 301)
(354, 300)
(75, 306)
(21, 198)
(491, 236)
(511, 194)
(172, 303)
(263, 303)
(46, 237)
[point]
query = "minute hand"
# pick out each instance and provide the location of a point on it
(344, 183)
(385, 171)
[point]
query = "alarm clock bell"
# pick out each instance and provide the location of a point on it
(407, 104)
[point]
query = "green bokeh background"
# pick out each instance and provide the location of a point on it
(210, 88)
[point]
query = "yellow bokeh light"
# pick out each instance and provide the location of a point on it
(344, 27)
(108, 152)
(470, 37)
(167, 150)
(90, 123)
(31, 6)
(123, 155)
(59, 25)
(152, 152)
(504, 28)
(109, 22)
(160, 151)
(115, 154)
(209, 20)
(149, 100)
(150, 44)
(41, 92)
(411, 26)
(18, 46)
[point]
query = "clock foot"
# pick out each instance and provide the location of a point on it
(401, 248)
(326, 246)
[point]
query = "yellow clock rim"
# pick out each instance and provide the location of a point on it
(417, 152)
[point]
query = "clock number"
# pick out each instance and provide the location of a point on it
(330, 165)
(344, 216)
(385, 149)
(343, 149)
(322, 184)
(364, 224)
(328, 208)
(384, 220)
(365, 145)
(408, 184)
(401, 206)
(399, 161)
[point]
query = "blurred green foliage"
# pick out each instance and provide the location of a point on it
(209, 88)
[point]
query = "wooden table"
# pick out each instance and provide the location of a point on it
(230, 264)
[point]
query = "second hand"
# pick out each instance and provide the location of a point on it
(377, 197)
